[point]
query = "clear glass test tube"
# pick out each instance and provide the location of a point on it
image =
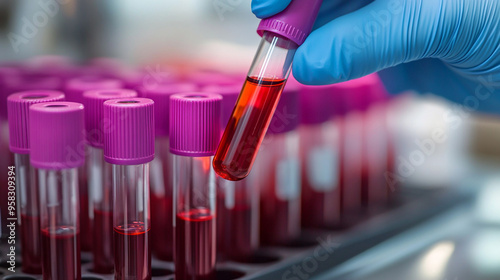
(56, 137)
(74, 89)
(238, 235)
(129, 148)
(238, 216)
(255, 107)
(278, 174)
(161, 181)
(27, 187)
(194, 134)
(99, 177)
(320, 154)
(262, 90)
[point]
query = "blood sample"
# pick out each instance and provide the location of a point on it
(278, 173)
(365, 143)
(129, 148)
(56, 129)
(194, 239)
(261, 92)
(74, 89)
(237, 202)
(27, 188)
(238, 218)
(62, 246)
(99, 176)
(194, 134)
(133, 241)
(161, 169)
(319, 148)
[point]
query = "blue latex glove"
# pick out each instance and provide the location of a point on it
(458, 40)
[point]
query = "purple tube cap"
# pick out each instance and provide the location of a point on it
(94, 107)
(129, 137)
(25, 83)
(206, 78)
(161, 96)
(194, 124)
(287, 115)
(75, 87)
(18, 105)
(295, 22)
(57, 135)
(316, 105)
(360, 93)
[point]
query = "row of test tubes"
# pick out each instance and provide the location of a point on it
(118, 162)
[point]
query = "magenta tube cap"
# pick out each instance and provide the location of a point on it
(161, 96)
(129, 137)
(316, 106)
(206, 78)
(57, 135)
(94, 111)
(195, 124)
(75, 87)
(360, 93)
(18, 105)
(286, 118)
(6, 73)
(294, 23)
(230, 94)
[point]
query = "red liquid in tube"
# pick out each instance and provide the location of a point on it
(31, 244)
(254, 110)
(61, 241)
(162, 233)
(132, 245)
(103, 243)
(195, 245)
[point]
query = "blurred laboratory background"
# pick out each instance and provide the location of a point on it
(443, 158)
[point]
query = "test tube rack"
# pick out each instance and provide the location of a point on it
(317, 251)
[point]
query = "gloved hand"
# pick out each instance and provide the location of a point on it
(462, 38)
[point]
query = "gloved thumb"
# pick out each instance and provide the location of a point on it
(267, 8)
(380, 35)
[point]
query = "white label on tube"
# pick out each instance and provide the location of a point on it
(157, 182)
(288, 179)
(322, 169)
(95, 182)
(229, 198)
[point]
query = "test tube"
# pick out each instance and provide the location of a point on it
(365, 144)
(194, 134)
(377, 145)
(27, 190)
(99, 176)
(237, 202)
(6, 73)
(278, 172)
(74, 89)
(56, 138)
(281, 36)
(319, 149)
(129, 147)
(162, 234)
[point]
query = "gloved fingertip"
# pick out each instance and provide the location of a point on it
(267, 8)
